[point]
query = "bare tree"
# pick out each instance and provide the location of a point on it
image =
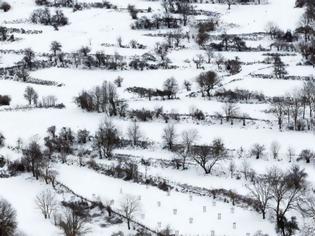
(287, 190)
(134, 133)
(46, 202)
(208, 156)
(230, 110)
(232, 168)
(55, 47)
(295, 104)
(188, 138)
(170, 86)
(309, 93)
(278, 109)
(207, 81)
(119, 41)
(33, 157)
(274, 149)
(161, 50)
(209, 53)
(307, 206)
(260, 190)
(46, 170)
(29, 57)
(169, 136)
(184, 9)
(8, 222)
(198, 60)
(290, 153)
(72, 224)
(245, 168)
(106, 138)
(30, 95)
(257, 150)
(118, 81)
(187, 85)
(219, 61)
(130, 207)
(49, 101)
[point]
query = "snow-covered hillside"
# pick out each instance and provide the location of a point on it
(157, 117)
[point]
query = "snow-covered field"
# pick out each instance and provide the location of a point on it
(99, 29)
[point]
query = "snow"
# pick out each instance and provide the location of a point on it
(97, 27)
(79, 179)
(21, 192)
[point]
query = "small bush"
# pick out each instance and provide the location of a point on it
(142, 115)
(4, 100)
(5, 6)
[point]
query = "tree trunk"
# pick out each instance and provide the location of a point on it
(128, 223)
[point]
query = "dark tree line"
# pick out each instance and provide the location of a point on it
(74, 4)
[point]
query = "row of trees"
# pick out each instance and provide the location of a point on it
(43, 16)
(75, 5)
(83, 57)
(32, 98)
(294, 107)
(170, 89)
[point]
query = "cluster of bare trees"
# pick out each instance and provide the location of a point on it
(35, 161)
(296, 109)
(230, 42)
(105, 139)
(43, 16)
(170, 90)
(83, 57)
(171, 9)
(31, 95)
(102, 98)
(32, 98)
(281, 192)
(71, 219)
(259, 151)
(205, 156)
(75, 5)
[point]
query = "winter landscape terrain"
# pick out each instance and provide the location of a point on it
(157, 117)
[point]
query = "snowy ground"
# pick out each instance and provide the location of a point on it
(96, 27)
